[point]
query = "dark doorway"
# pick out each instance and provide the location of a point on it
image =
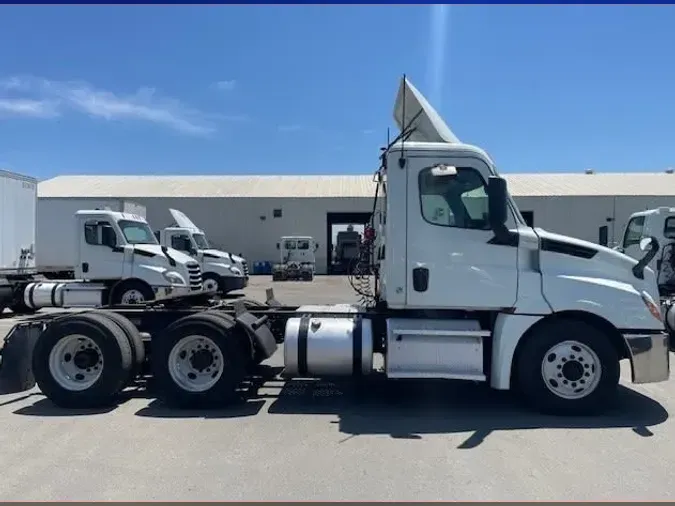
(528, 216)
(350, 228)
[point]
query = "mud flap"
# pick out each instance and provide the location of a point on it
(16, 368)
(258, 330)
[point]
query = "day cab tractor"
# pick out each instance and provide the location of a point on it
(472, 293)
(298, 260)
(658, 226)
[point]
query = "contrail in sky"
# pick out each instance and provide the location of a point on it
(439, 21)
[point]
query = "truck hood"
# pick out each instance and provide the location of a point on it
(223, 254)
(607, 263)
(156, 249)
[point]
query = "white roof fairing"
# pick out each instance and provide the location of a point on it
(412, 110)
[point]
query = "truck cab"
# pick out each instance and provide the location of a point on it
(658, 223)
(222, 272)
(297, 258)
(472, 292)
(120, 249)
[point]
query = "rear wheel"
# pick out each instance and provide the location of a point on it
(134, 338)
(199, 362)
(82, 361)
(568, 367)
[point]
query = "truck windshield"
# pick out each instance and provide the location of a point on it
(303, 244)
(137, 232)
(200, 240)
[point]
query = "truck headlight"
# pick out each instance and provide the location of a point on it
(652, 306)
(174, 278)
(235, 271)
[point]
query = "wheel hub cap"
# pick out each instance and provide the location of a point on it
(571, 370)
(196, 363)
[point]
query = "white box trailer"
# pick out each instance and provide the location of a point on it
(18, 194)
(57, 237)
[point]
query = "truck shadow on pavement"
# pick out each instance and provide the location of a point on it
(400, 409)
(411, 409)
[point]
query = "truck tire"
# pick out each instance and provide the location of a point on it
(134, 338)
(213, 281)
(568, 367)
(131, 291)
(197, 362)
(104, 356)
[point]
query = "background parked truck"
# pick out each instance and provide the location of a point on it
(85, 257)
(222, 271)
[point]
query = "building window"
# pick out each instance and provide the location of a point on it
(277, 213)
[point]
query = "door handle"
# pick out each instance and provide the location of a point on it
(420, 279)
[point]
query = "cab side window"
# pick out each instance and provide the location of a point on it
(458, 201)
(180, 242)
(669, 228)
(634, 231)
(99, 233)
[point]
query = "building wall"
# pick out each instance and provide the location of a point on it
(583, 216)
(235, 224)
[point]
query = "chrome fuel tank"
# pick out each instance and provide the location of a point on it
(328, 346)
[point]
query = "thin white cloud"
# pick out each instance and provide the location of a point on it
(368, 131)
(289, 128)
(28, 108)
(144, 105)
(227, 85)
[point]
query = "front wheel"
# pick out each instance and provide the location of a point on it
(131, 292)
(568, 367)
(212, 282)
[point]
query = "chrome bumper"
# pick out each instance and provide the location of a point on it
(162, 292)
(649, 356)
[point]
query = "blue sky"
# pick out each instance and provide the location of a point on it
(310, 89)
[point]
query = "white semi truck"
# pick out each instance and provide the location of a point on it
(90, 258)
(297, 258)
(480, 296)
(658, 225)
(222, 272)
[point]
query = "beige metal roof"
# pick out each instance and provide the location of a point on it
(520, 185)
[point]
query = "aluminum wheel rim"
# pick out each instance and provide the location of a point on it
(76, 362)
(571, 370)
(132, 297)
(210, 285)
(196, 363)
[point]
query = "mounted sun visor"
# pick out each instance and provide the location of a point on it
(427, 123)
(443, 170)
(182, 220)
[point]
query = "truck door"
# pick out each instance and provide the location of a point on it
(452, 261)
(632, 235)
(101, 254)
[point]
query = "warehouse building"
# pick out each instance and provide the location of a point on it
(248, 214)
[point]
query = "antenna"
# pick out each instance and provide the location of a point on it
(401, 160)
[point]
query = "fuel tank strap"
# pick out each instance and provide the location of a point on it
(302, 345)
(357, 346)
